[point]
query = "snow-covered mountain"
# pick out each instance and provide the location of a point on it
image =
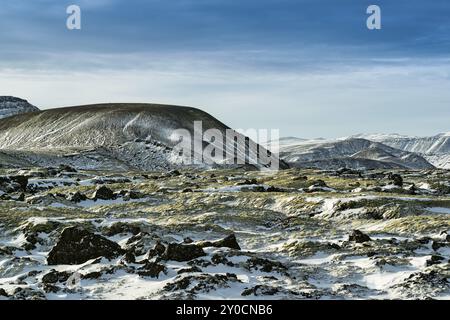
(436, 149)
(118, 136)
(350, 153)
(10, 106)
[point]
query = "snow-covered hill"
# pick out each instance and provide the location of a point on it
(124, 136)
(10, 106)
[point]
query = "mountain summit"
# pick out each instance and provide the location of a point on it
(10, 106)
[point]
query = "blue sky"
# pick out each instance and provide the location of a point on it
(308, 67)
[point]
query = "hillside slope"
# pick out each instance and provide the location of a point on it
(120, 135)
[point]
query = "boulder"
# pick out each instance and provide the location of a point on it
(151, 269)
(103, 193)
(77, 246)
(54, 276)
(358, 237)
(396, 179)
(228, 242)
(76, 197)
(183, 252)
(435, 259)
(3, 293)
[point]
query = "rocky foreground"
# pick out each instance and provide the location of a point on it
(293, 234)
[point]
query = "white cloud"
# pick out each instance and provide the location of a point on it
(409, 98)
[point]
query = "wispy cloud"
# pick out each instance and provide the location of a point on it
(308, 67)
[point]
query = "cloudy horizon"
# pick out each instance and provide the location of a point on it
(310, 68)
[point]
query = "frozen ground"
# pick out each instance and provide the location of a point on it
(224, 234)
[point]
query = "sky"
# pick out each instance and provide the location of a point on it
(310, 68)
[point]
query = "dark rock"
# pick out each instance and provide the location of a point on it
(179, 284)
(189, 270)
(151, 269)
(91, 275)
(188, 240)
(27, 294)
(299, 178)
(261, 290)
(134, 195)
(424, 240)
(103, 193)
(396, 179)
(358, 237)
(76, 197)
(54, 276)
(182, 252)
(159, 248)
(3, 293)
(77, 246)
(219, 259)
(67, 168)
(436, 245)
(265, 265)
(33, 273)
(21, 180)
(228, 242)
(274, 189)
(130, 257)
(7, 251)
(121, 227)
(435, 259)
(247, 182)
(174, 173)
(333, 246)
(51, 288)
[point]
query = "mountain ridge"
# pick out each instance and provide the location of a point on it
(10, 106)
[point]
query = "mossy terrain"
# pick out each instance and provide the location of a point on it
(299, 222)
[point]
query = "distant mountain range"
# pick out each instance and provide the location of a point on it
(370, 151)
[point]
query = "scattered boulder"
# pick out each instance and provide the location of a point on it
(265, 290)
(265, 265)
(247, 182)
(358, 237)
(396, 179)
(435, 259)
(3, 293)
(91, 275)
(103, 193)
(183, 252)
(228, 242)
(174, 173)
(67, 168)
(77, 246)
(151, 269)
(159, 248)
(121, 227)
(76, 197)
(54, 276)
(27, 294)
(189, 270)
(21, 180)
(436, 245)
(10, 184)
